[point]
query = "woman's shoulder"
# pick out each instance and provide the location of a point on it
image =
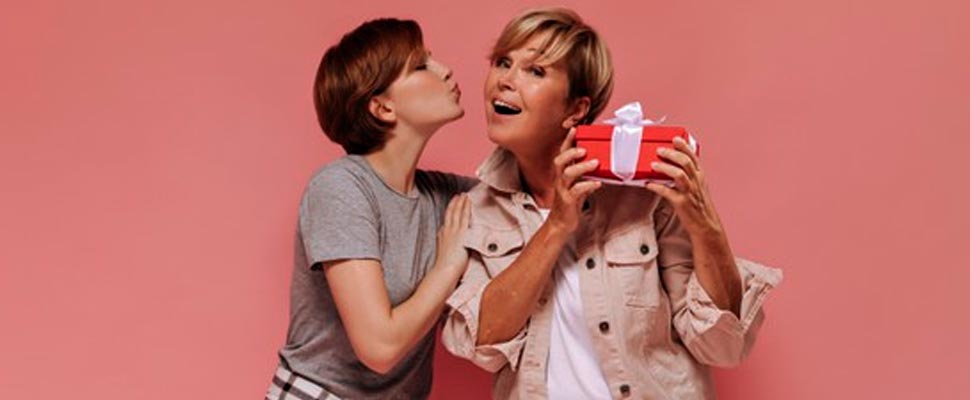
(338, 168)
(345, 175)
(443, 182)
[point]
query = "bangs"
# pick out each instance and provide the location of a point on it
(568, 41)
(405, 48)
(558, 44)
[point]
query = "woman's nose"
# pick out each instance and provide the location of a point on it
(442, 69)
(505, 80)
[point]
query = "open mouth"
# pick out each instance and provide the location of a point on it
(504, 108)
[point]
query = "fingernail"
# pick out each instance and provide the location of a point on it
(661, 150)
(654, 165)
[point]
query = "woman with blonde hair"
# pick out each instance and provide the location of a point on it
(579, 290)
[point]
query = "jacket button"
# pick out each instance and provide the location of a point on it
(604, 327)
(492, 247)
(590, 263)
(644, 249)
(625, 390)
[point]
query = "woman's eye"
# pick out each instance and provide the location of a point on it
(502, 62)
(537, 71)
(421, 67)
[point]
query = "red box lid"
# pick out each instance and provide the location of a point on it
(651, 133)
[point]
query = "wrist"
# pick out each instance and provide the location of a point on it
(710, 237)
(556, 231)
(450, 266)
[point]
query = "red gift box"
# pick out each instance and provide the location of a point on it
(596, 139)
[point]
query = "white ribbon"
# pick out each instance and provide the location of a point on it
(625, 145)
(628, 123)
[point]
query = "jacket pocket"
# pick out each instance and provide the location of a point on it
(497, 247)
(632, 259)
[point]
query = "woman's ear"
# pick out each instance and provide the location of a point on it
(577, 112)
(382, 109)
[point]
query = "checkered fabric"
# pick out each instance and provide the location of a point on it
(289, 386)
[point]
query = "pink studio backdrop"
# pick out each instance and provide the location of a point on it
(152, 155)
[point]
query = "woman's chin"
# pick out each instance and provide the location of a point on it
(460, 112)
(497, 138)
(450, 117)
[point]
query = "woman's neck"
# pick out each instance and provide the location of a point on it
(539, 175)
(397, 160)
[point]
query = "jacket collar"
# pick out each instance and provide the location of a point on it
(500, 171)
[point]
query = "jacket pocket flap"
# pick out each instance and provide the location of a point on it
(636, 246)
(492, 242)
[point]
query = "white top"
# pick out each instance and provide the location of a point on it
(572, 371)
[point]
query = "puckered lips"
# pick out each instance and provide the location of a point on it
(456, 90)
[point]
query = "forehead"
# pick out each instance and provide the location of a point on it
(535, 48)
(533, 45)
(418, 55)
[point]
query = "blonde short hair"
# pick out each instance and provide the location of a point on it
(589, 66)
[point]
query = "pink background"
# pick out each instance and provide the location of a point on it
(152, 155)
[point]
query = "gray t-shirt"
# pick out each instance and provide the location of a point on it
(348, 212)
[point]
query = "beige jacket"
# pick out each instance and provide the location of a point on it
(654, 328)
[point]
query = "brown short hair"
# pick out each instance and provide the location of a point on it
(589, 66)
(362, 65)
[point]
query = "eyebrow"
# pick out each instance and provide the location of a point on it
(536, 56)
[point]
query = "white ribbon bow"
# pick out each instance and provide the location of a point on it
(625, 145)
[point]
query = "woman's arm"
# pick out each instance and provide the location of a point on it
(713, 260)
(716, 270)
(380, 334)
(700, 275)
(509, 299)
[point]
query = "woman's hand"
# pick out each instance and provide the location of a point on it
(451, 251)
(689, 195)
(571, 192)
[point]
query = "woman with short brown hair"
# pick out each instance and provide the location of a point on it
(372, 269)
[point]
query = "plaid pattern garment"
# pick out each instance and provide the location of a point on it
(289, 386)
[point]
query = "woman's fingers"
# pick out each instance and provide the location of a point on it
(466, 212)
(568, 156)
(677, 174)
(567, 143)
(451, 213)
(583, 189)
(682, 145)
(664, 191)
(680, 158)
(573, 172)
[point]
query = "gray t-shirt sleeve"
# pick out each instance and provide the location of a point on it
(339, 219)
(444, 186)
(462, 183)
(448, 185)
